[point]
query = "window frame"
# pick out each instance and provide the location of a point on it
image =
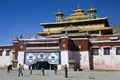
(7, 52)
(1, 52)
(106, 50)
(97, 51)
(117, 51)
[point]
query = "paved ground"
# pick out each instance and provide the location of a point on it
(49, 75)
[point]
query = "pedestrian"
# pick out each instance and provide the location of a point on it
(8, 69)
(42, 69)
(20, 68)
(55, 69)
(30, 68)
(11, 67)
(66, 71)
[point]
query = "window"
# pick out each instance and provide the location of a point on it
(94, 51)
(7, 52)
(1, 52)
(118, 51)
(106, 51)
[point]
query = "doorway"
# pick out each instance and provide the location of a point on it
(41, 64)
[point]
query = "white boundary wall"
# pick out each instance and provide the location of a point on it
(5, 60)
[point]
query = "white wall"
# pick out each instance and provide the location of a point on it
(84, 60)
(82, 56)
(106, 62)
(64, 59)
(5, 60)
(21, 59)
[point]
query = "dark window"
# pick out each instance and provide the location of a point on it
(1, 52)
(7, 52)
(118, 51)
(106, 51)
(94, 51)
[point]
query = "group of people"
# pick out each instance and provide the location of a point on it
(21, 67)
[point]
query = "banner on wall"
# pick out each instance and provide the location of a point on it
(33, 57)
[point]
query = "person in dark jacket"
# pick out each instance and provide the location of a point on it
(66, 71)
(55, 69)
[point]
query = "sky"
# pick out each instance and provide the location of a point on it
(23, 16)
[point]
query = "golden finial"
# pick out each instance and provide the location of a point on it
(78, 6)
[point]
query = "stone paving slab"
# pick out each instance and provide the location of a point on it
(72, 75)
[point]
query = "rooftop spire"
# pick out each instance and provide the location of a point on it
(92, 9)
(59, 15)
(78, 6)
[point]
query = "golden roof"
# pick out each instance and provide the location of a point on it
(77, 14)
(83, 20)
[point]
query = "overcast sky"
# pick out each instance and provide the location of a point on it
(23, 16)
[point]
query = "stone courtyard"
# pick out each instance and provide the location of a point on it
(49, 75)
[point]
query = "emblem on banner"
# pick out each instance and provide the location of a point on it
(53, 57)
(42, 56)
(31, 57)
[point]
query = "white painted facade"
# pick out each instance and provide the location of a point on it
(5, 60)
(84, 60)
(106, 62)
(21, 59)
(64, 59)
(100, 61)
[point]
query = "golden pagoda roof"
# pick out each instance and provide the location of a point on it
(83, 20)
(56, 33)
(77, 14)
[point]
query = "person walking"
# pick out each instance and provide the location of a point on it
(20, 68)
(8, 69)
(30, 68)
(55, 69)
(66, 71)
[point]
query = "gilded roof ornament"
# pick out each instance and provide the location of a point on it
(92, 9)
(78, 6)
(59, 13)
